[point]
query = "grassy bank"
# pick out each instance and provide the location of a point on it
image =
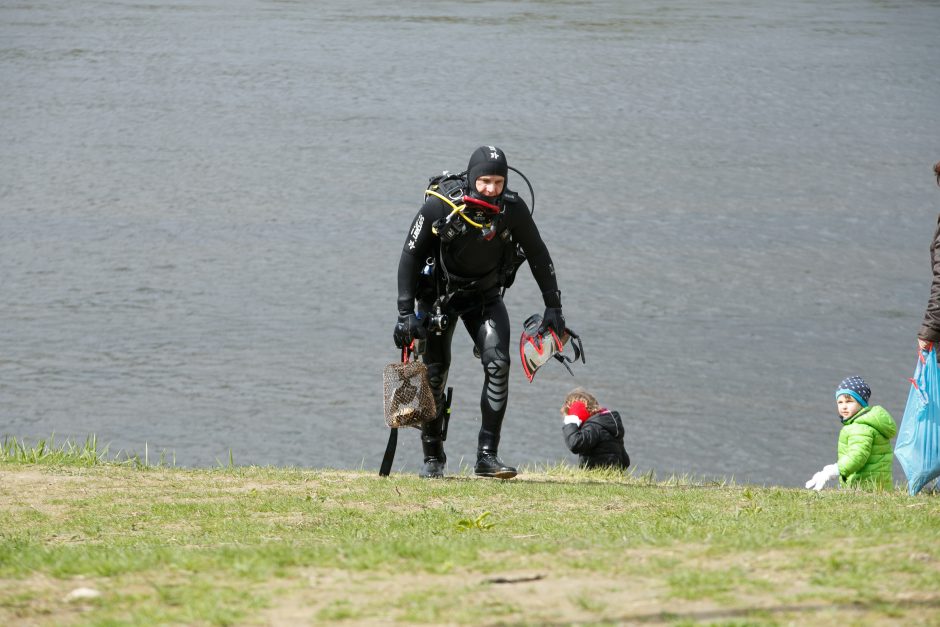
(246, 545)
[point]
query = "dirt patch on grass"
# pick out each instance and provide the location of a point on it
(557, 597)
(560, 597)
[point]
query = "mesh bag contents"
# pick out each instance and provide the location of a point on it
(408, 398)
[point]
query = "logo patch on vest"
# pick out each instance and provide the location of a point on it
(416, 231)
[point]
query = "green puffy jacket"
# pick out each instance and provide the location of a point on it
(865, 454)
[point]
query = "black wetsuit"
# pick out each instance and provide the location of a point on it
(473, 262)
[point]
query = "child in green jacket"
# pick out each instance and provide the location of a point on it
(865, 454)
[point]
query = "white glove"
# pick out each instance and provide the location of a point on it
(824, 476)
(571, 419)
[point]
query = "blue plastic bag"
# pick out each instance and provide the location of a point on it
(918, 444)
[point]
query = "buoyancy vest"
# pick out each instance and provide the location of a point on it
(451, 189)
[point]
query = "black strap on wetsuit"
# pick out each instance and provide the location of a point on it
(454, 284)
(389, 456)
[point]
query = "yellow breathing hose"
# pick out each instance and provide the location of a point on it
(457, 210)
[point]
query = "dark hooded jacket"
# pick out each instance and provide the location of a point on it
(598, 441)
(930, 327)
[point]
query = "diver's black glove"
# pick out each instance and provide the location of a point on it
(555, 319)
(408, 328)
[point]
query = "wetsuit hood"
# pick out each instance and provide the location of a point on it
(486, 160)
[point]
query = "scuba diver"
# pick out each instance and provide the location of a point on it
(461, 253)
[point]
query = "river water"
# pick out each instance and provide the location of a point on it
(202, 204)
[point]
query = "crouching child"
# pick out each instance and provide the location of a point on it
(592, 432)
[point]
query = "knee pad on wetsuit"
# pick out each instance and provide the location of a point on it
(437, 379)
(496, 368)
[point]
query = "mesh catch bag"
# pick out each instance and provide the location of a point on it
(918, 445)
(408, 398)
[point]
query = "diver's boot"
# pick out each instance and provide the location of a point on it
(434, 466)
(488, 464)
(432, 443)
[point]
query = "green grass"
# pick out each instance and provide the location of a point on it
(47, 452)
(249, 545)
